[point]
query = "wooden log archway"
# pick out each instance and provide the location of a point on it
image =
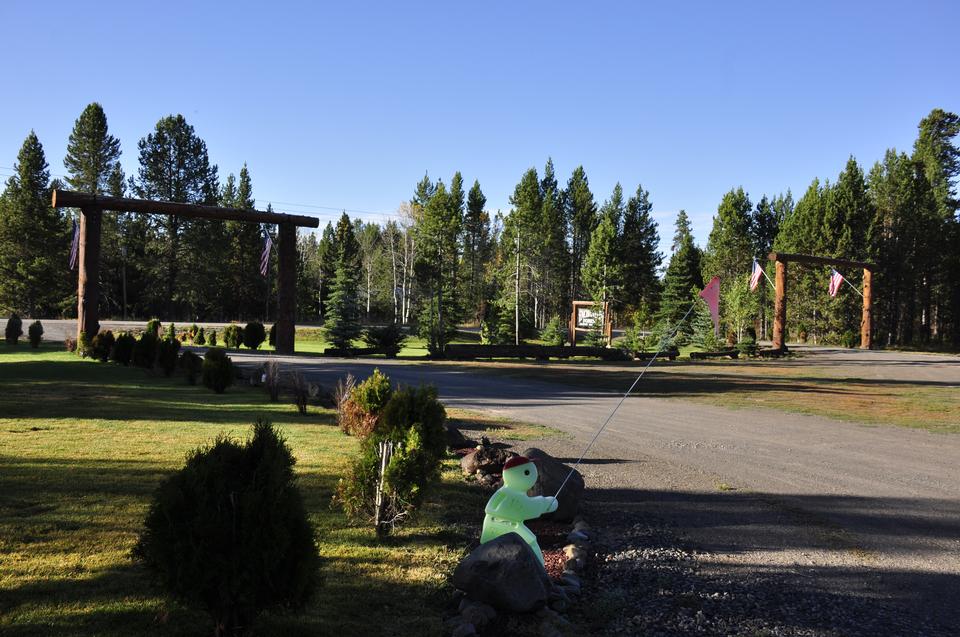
(780, 303)
(92, 207)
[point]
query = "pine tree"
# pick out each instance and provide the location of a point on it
(93, 167)
(640, 255)
(327, 254)
(476, 250)
(581, 213)
(34, 239)
(342, 324)
(517, 247)
(247, 288)
(552, 255)
(602, 269)
(174, 166)
(683, 276)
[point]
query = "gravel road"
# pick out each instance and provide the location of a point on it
(830, 508)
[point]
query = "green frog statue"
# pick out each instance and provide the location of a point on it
(510, 505)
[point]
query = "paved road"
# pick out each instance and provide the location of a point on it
(756, 487)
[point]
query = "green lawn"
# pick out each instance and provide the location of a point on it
(84, 444)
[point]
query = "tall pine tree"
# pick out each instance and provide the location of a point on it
(640, 255)
(342, 324)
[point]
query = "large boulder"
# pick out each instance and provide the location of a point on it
(505, 574)
(456, 439)
(551, 474)
(486, 459)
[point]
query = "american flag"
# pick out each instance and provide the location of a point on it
(835, 280)
(755, 277)
(265, 257)
(75, 245)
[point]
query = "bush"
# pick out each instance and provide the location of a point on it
(273, 335)
(70, 344)
(123, 348)
(388, 339)
(850, 339)
(554, 332)
(102, 345)
(232, 336)
(153, 326)
(360, 413)
(747, 346)
(213, 339)
(14, 329)
(199, 338)
(254, 335)
(414, 419)
(192, 365)
(145, 350)
(217, 370)
(193, 331)
(84, 345)
(36, 334)
(172, 332)
(167, 351)
(229, 532)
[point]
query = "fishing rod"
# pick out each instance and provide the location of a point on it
(663, 345)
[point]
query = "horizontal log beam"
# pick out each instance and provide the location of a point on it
(70, 199)
(786, 257)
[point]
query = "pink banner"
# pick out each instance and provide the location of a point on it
(711, 294)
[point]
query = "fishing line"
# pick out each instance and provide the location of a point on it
(663, 345)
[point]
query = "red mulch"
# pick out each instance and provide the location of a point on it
(553, 561)
(549, 534)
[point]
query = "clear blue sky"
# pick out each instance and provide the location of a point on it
(346, 105)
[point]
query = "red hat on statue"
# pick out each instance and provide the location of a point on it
(516, 461)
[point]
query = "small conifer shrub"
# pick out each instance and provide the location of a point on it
(145, 350)
(254, 334)
(213, 338)
(192, 365)
(167, 350)
(123, 348)
(217, 370)
(200, 338)
(389, 339)
(233, 336)
(35, 332)
(229, 532)
(102, 345)
(14, 329)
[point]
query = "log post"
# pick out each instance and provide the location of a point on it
(866, 331)
(780, 307)
(286, 284)
(88, 286)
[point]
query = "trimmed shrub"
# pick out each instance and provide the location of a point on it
(217, 370)
(232, 336)
(199, 338)
(193, 331)
(145, 350)
(167, 351)
(36, 334)
(70, 344)
(414, 418)
(102, 345)
(123, 348)
(153, 326)
(254, 335)
(172, 332)
(229, 532)
(192, 365)
(14, 329)
(213, 338)
(84, 345)
(389, 339)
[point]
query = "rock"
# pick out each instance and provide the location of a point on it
(552, 473)
(477, 613)
(577, 536)
(456, 440)
(504, 573)
(466, 629)
(485, 459)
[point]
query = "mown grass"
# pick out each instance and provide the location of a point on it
(83, 445)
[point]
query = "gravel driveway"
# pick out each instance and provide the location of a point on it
(868, 517)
